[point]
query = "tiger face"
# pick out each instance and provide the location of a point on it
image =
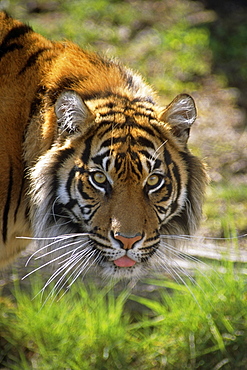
(120, 177)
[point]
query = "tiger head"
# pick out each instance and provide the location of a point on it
(118, 183)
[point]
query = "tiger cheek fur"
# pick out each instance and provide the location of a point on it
(96, 170)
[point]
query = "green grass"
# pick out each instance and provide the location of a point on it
(193, 326)
(225, 210)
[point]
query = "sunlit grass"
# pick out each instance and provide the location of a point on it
(191, 326)
(203, 327)
(80, 331)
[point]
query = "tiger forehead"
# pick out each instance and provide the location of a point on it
(119, 110)
(128, 151)
(121, 121)
(128, 136)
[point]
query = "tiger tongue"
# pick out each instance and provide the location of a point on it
(124, 262)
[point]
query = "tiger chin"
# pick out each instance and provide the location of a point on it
(92, 167)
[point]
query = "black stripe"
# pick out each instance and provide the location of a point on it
(66, 83)
(71, 204)
(133, 141)
(161, 209)
(92, 215)
(176, 173)
(150, 130)
(119, 161)
(168, 189)
(11, 35)
(6, 14)
(147, 99)
(97, 95)
(98, 159)
(113, 140)
(144, 142)
(135, 160)
(107, 164)
(70, 180)
(87, 151)
(167, 157)
(62, 156)
(86, 196)
(19, 199)
(61, 212)
(16, 32)
(7, 205)
(80, 187)
(157, 214)
(6, 49)
(146, 130)
(35, 105)
(135, 172)
(102, 133)
(27, 212)
(157, 164)
(153, 238)
(149, 116)
(32, 60)
(145, 153)
(139, 166)
(102, 238)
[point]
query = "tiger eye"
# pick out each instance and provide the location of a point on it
(153, 180)
(99, 177)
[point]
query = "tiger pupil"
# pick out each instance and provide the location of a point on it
(99, 177)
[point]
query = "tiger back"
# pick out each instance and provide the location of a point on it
(91, 165)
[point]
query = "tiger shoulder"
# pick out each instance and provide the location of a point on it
(89, 159)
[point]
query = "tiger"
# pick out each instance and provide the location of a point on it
(92, 166)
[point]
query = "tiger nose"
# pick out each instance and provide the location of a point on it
(128, 241)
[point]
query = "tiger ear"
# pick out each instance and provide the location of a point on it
(71, 112)
(180, 114)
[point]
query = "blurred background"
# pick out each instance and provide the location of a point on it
(198, 47)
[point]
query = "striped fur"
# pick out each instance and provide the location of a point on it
(88, 158)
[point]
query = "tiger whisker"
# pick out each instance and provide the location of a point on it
(178, 268)
(59, 248)
(85, 269)
(198, 237)
(185, 257)
(73, 258)
(67, 266)
(57, 240)
(56, 289)
(69, 262)
(178, 278)
(61, 282)
(49, 262)
(180, 254)
(74, 253)
(53, 209)
(154, 156)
